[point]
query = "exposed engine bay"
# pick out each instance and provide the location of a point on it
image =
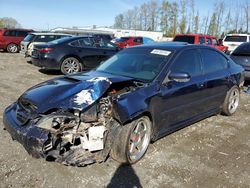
(83, 137)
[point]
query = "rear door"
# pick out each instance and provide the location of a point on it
(92, 52)
(215, 67)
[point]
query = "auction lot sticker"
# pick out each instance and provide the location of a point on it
(160, 52)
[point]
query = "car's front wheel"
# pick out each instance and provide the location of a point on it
(231, 101)
(71, 65)
(132, 141)
(12, 48)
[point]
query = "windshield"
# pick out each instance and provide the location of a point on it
(140, 64)
(29, 37)
(188, 39)
(123, 39)
(236, 39)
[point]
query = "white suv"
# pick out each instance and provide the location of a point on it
(234, 40)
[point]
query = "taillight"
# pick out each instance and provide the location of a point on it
(45, 50)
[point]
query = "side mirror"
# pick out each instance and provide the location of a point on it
(179, 77)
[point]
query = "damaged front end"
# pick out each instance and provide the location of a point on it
(80, 135)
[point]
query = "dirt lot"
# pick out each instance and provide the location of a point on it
(212, 153)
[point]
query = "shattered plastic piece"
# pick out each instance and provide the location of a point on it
(85, 96)
(96, 138)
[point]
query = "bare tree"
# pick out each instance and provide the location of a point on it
(119, 21)
(246, 8)
(183, 12)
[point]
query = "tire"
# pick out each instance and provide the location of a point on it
(12, 48)
(132, 141)
(71, 65)
(231, 101)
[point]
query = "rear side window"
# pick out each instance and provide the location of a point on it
(10, 33)
(22, 33)
(45, 38)
(213, 61)
(29, 38)
(189, 62)
(188, 39)
(236, 39)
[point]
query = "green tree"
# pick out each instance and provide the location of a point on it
(9, 22)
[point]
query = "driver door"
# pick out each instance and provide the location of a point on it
(181, 101)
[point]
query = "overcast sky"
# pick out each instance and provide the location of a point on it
(48, 14)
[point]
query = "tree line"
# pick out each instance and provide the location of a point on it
(7, 22)
(183, 16)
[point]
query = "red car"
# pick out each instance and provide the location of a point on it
(10, 39)
(201, 39)
(125, 42)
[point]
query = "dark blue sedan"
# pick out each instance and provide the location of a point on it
(139, 95)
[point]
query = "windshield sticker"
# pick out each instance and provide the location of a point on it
(161, 52)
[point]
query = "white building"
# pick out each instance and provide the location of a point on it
(155, 35)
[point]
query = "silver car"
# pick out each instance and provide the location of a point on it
(38, 38)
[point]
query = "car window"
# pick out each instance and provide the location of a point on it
(208, 41)
(10, 33)
(22, 33)
(236, 39)
(109, 45)
(87, 42)
(189, 62)
(188, 39)
(243, 49)
(138, 40)
(44, 38)
(29, 37)
(201, 40)
(213, 61)
(75, 43)
(147, 40)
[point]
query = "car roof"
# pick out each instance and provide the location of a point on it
(237, 34)
(174, 46)
(36, 33)
(196, 35)
(16, 29)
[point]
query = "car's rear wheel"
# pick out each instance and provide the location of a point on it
(231, 101)
(71, 65)
(132, 141)
(12, 48)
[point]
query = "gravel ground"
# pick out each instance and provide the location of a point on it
(214, 152)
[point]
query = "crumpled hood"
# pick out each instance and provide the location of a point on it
(71, 92)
